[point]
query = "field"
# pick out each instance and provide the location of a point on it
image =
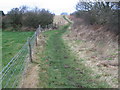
(12, 42)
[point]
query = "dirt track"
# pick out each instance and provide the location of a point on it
(59, 20)
(31, 77)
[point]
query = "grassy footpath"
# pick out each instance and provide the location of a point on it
(12, 43)
(60, 68)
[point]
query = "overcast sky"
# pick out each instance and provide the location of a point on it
(55, 6)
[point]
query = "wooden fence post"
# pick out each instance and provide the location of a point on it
(30, 50)
(36, 38)
(39, 29)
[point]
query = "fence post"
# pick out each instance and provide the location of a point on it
(30, 50)
(39, 28)
(36, 37)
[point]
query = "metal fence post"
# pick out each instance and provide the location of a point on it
(30, 50)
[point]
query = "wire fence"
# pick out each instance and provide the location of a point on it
(12, 73)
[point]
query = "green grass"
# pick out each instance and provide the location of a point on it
(61, 68)
(12, 42)
(0, 55)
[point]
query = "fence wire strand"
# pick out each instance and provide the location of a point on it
(13, 71)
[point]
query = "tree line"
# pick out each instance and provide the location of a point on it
(25, 17)
(100, 13)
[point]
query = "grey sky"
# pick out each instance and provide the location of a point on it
(55, 6)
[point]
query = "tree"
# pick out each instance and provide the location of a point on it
(102, 13)
(24, 17)
(15, 16)
(38, 17)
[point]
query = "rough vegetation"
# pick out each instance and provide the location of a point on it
(100, 13)
(94, 38)
(98, 48)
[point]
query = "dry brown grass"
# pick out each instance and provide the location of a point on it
(30, 78)
(98, 48)
(59, 20)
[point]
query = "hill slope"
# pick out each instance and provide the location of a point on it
(97, 47)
